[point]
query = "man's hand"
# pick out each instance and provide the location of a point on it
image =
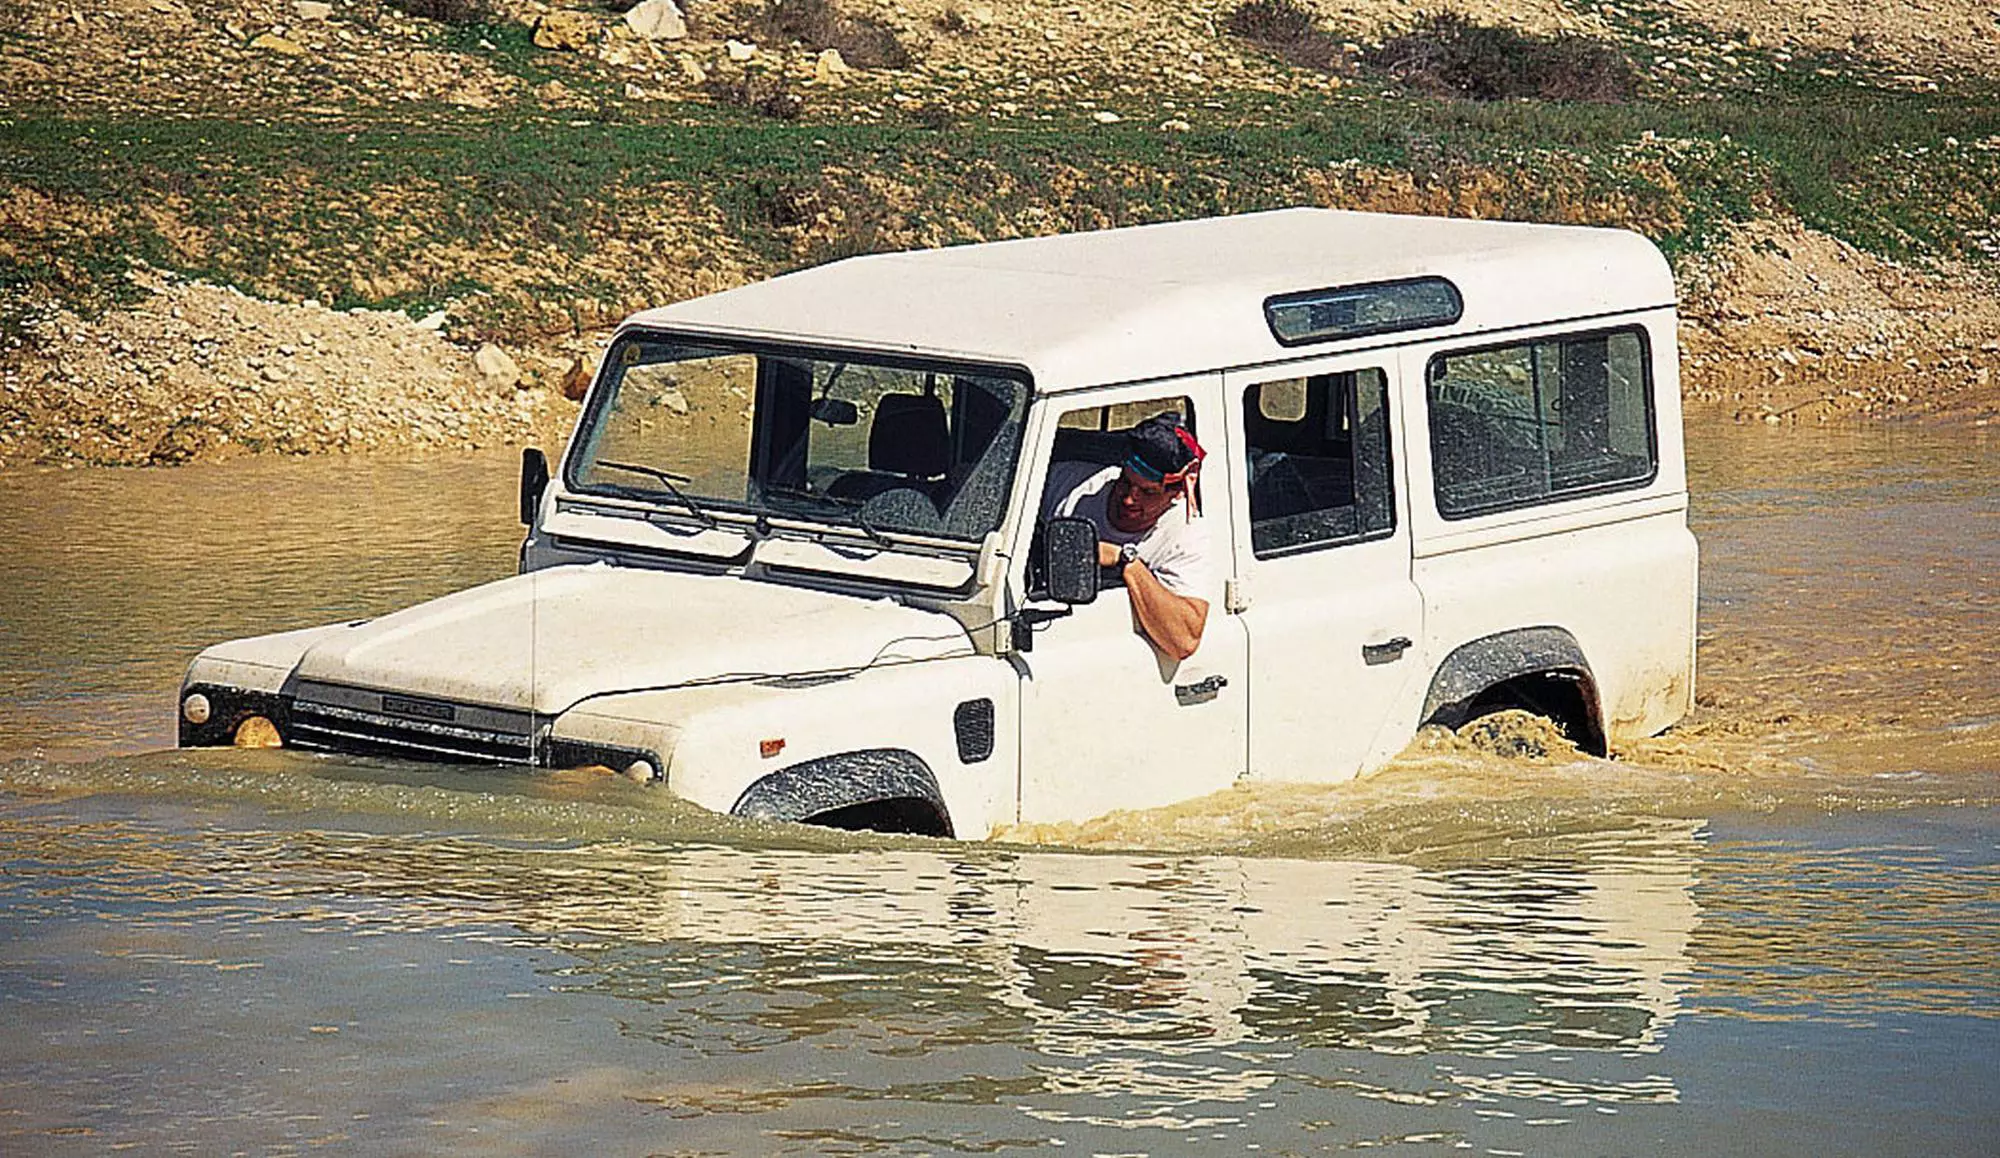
(1173, 623)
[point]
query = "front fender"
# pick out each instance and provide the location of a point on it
(956, 718)
(830, 783)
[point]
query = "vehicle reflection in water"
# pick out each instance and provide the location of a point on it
(1096, 954)
(1048, 990)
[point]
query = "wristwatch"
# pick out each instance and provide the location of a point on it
(1128, 554)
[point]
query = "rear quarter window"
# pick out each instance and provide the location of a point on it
(1539, 421)
(1318, 461)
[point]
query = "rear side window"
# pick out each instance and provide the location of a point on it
(1318, 452)
(1538, 421)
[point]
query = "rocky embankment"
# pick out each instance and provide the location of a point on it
(1790, 327)
(1782, 326)
(198, 372)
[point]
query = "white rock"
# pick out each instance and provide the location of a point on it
(740, 51)
(495, 368)
(432, 321)
(656, 20)
(311, 9)
(829, 65)
(1106, 117)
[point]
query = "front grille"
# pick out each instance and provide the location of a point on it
(332, 718)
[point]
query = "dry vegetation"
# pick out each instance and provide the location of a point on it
(1449, 55)
(1290, 31)
(862, 41)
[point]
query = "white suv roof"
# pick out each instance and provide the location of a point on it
(1130, 304)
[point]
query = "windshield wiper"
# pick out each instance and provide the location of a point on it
(666, 480)
(856, 519)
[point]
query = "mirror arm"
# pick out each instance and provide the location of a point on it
(1027, 619)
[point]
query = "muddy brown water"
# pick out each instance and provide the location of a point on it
(1772, 930)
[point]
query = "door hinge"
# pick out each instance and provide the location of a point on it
(1236, 594)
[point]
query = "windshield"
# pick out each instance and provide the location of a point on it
(885, 446)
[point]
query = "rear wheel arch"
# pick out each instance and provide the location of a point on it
(1536, 669)
(877, 789)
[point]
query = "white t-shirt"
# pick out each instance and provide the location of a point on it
(1176, 550)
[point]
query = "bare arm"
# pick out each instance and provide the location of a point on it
(1173, 623)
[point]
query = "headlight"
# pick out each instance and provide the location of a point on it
(194, 709)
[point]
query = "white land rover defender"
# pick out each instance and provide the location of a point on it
(793, 563)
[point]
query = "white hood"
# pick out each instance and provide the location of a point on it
(547, 639)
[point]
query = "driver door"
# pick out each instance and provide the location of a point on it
(1107, 721)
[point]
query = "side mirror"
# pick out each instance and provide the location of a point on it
(534, 480)
(835, 411)
(1069, 554)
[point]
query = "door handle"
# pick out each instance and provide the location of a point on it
(1201, 690)
(1388, 651)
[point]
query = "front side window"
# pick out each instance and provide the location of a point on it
(885, 445)
(1318, 451)
(1090, 440)
(1538, 421)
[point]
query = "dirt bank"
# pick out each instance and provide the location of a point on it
(1781, 325)
(1787, 326)
(194, 372)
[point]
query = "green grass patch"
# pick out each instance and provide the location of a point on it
(509, 42)
(515, 213)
